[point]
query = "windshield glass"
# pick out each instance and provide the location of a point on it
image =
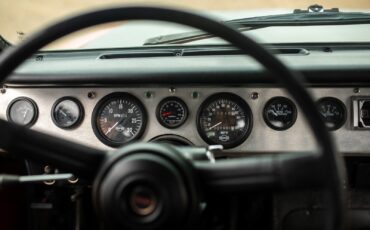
(20, 18)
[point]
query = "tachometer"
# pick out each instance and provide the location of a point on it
(118, 118)
(224, 119)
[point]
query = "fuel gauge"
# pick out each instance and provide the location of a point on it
(333, 112)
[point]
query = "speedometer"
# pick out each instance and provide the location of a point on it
(224, 119)
(118, 118)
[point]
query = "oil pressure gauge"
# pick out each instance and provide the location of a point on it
(280, 113)
(333, 112)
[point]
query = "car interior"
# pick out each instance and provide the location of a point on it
(209, 128)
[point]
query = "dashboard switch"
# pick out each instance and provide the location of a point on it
(361, 112)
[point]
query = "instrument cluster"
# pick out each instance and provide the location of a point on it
(222, 118)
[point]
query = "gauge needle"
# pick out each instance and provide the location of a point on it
(110, 129)
(66, 115)
(62, 112)
(219, 123)
(25, 115)
(166, 114)
(274, 112)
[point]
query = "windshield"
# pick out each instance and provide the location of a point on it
(20, 18)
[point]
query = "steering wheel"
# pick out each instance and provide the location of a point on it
(158, 186)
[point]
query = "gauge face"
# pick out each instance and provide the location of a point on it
(280, 113)
(67, 112)
(119, 118)
(333, 112)
(172, 112)
(224, 119)
(22, 111)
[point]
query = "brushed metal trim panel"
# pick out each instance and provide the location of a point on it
(261, 140)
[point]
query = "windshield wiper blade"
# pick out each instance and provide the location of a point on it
(292, 19)
(306, 18)
(181, 38)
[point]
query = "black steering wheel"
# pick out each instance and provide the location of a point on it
(157, 186)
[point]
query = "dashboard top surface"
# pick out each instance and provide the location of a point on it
(320, 64)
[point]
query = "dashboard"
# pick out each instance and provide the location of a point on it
(200, 100)
(245, 120)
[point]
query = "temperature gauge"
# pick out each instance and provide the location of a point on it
(332, 111)
(172, 112)
(280, 113)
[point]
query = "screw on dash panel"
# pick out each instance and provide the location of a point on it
(356, 90)
(91, 95)
(149, 94)
(3, 91)
(172, 90)
(195, 95)
(254, 95)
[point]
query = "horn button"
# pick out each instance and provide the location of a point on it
(150, 190)
(143, 200)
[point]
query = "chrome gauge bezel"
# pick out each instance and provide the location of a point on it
(29, 100)
(275, 100)
(242, 104)
(165, 101)
(338, 103)
(100, 106)
(77, 122)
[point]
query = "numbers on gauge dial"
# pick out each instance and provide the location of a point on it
(22, 111)
(332, 111)
(120, 119)
(172, 112)
(224, 120)
(280, 113)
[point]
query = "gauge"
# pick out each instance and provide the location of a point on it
(280, 113)
(172, 112)
(333, 111)
(118, 118)
(224, 119)
(67, 112)
(22, 111)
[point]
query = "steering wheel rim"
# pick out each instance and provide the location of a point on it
(14, 56)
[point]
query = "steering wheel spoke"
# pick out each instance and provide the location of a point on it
(34, 145)
(266, 172)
